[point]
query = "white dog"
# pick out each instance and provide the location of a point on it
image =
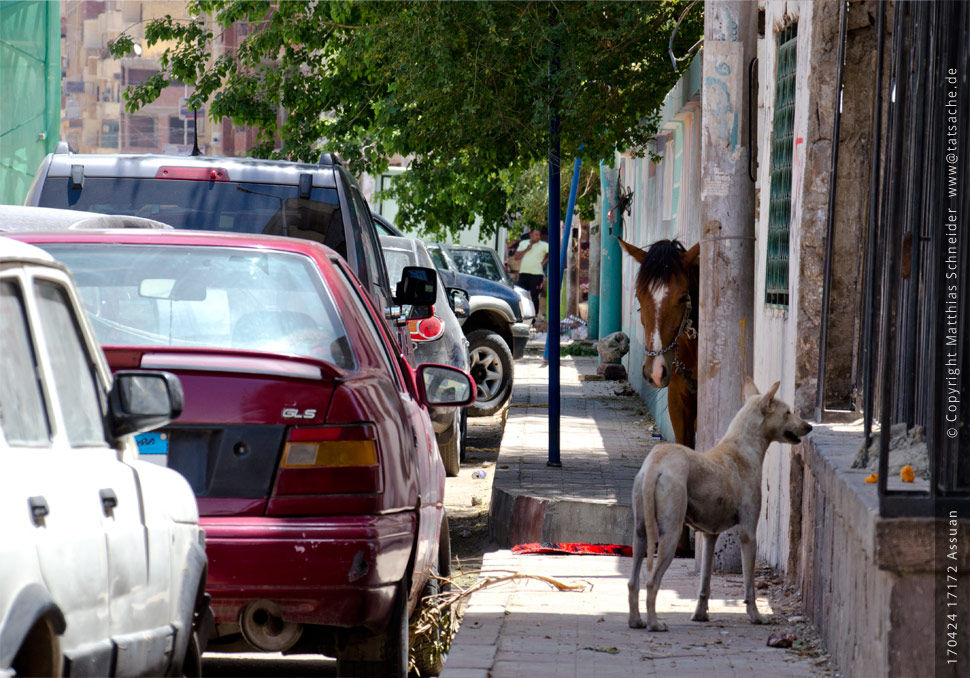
(711, 491)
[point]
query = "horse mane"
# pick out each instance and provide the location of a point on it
(663, 262)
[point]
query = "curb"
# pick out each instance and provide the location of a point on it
(518, 518)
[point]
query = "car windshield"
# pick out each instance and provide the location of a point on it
(479, 263)
(207, 297)
(209, 205)
(440, 258)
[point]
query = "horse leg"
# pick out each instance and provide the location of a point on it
(682, 408)
(675, 408)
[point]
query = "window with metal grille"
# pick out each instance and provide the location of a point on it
(782, 147)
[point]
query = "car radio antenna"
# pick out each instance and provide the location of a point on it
(195, 132)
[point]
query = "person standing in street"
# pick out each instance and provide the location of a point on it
(532, 256)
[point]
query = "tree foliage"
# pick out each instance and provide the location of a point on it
(464, 89)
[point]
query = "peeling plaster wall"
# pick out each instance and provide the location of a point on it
(786, 342)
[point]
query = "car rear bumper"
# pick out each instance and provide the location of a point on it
(520, 336)
(339, 571)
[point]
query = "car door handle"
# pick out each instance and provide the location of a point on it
(38, 509)
(109, 500)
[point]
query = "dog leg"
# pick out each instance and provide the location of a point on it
(748, 547)
(665, 554)
(639, 549)
(705, 546)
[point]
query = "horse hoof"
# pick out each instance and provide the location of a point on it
(659, 626)
(699, 617)
(758, 619)
(637, 624)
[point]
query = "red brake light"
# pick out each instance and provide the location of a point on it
(427, 329)
(193, 173)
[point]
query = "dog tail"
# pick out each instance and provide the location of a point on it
(650, 512)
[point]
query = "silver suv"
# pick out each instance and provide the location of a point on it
(102, 562)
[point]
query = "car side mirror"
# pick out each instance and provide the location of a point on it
(444, 386)
(141, 400)
(460, 302)
(418, 286)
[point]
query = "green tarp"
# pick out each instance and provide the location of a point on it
(30, 91)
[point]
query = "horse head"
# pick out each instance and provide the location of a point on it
(667, 289)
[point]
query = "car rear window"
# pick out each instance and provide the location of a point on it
(396, 260)
(209, 205)
(207, 297)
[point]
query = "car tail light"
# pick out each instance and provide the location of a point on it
(193, 173)
(329, 460)
(427, 329)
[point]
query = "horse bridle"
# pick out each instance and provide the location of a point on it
(686, 327)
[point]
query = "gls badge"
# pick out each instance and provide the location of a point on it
(294, 413)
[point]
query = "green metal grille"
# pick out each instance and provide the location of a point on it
(782, 147)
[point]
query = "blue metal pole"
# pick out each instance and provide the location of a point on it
(570, 206)
(552, 299)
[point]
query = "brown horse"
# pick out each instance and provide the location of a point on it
(667, 288)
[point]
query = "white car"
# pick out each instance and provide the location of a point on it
(102, 562)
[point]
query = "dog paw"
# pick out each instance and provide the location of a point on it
(659, 626)
(637, 624)
(699, 617)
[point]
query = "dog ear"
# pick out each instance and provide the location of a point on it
(633, 250)
(768, 400)
(749, 389)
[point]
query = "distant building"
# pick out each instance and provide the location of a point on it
(93, 118)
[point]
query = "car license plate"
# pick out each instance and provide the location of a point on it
(152, 443)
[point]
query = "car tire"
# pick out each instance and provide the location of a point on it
(449, 446)
(425, 660)
(192, 664)
(392, 658)
(491, 365)
(464, 435)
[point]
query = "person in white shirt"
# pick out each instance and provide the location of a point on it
(532, 256)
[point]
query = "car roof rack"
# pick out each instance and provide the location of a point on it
(62, 148)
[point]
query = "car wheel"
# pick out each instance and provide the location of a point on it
(431, 649)
(449, 444)
(490, 364)
(40, 653)
(389, 659)
(192, 664)
(464, 434)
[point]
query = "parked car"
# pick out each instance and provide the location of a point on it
(497, 327)
(15, 218)
(437, 339)
(102, 562)
(479, 260)
(305, 434)
(484, 262)
(319, 202)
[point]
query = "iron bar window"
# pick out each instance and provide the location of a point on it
(782, 149)
(914, 343)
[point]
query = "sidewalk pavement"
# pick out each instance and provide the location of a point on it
(524, 627)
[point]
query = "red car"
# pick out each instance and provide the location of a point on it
(304, 434)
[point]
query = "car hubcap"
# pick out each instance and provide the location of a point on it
(486, 369)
